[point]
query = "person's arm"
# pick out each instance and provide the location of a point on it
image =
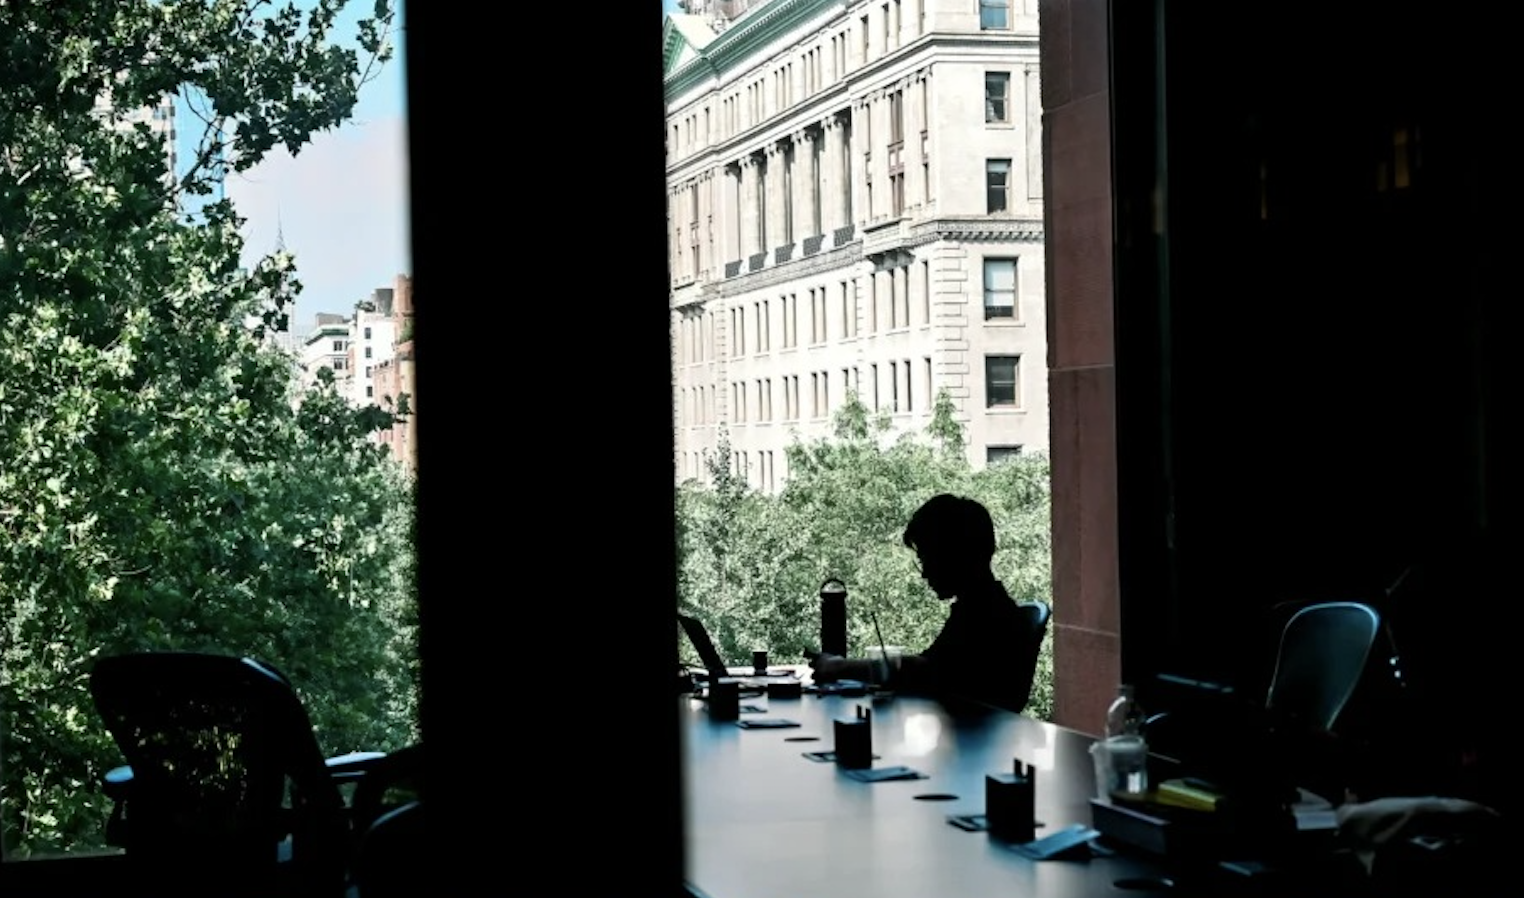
(830, 668)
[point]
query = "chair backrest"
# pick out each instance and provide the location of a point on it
(1321, 659)
(217, 745)
(1037, 615)
(388, 864)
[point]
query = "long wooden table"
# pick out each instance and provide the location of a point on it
(765, 822)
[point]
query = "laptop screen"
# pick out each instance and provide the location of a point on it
(699, 636)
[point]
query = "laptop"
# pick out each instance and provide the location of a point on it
(714, 665)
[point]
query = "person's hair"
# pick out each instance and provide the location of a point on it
(956, 524)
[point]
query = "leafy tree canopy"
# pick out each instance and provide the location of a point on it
(161, 486)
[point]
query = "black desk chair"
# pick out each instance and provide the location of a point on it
(226, 791)
(1324, 650)
(1037, 615)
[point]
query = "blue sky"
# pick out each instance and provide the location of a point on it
(669, 6)
(342, 204)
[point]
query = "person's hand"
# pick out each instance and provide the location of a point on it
(827, 668)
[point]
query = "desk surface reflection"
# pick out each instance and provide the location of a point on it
(763, 821)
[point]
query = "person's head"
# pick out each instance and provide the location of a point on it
(954, 540)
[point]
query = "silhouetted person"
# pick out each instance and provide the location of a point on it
(983, 650)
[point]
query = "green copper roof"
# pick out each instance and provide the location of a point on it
(734, 46)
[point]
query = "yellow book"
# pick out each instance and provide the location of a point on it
(1177, 794)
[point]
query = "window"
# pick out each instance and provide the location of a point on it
(873, 370)
(1001, 388)
(909, 384)
(926, 291)
(901, 281)
(994, 15)
(894, 386)
(370, 392)
(863, 30)
(997, 454)
(997, 184)
(367, 352)
(849, 308)
(367, 333)
(997, 97)
(338, 345)
(999, 288)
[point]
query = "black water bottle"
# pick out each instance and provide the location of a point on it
(833, 617)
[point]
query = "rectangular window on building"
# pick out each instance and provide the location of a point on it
(997, 454)
(873, 371)
(994, 15)
(997, 97)
(926, 292)
(367, 333)
(902, 295)
(999, 288)
(1002, 389)
(367, 352)
(910, 404)
(894, 386)
(997, 183)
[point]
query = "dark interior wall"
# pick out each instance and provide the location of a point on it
(1325, 300)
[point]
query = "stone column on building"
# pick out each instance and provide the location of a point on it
(858, 161)
(776, 208)
(805, 183)
(751, 224)
(728, 223)
(832, 209)
(914, 160)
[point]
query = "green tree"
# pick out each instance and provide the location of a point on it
(160, 487)
(752, 564)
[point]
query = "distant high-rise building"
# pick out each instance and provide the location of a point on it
(392, 378)
(326, 346)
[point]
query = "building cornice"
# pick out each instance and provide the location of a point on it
(735, 48)
(875, 242)
(831, 260)
(976, 230)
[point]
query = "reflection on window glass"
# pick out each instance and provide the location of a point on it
(994, 15)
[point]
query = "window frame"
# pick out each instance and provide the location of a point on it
(1004, 194)
(1003, 6)
(991, 311)
(1003, 80)
(990, 382)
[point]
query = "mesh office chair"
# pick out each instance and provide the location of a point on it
(1294, 736)
(1324, 649)
(225, 792)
